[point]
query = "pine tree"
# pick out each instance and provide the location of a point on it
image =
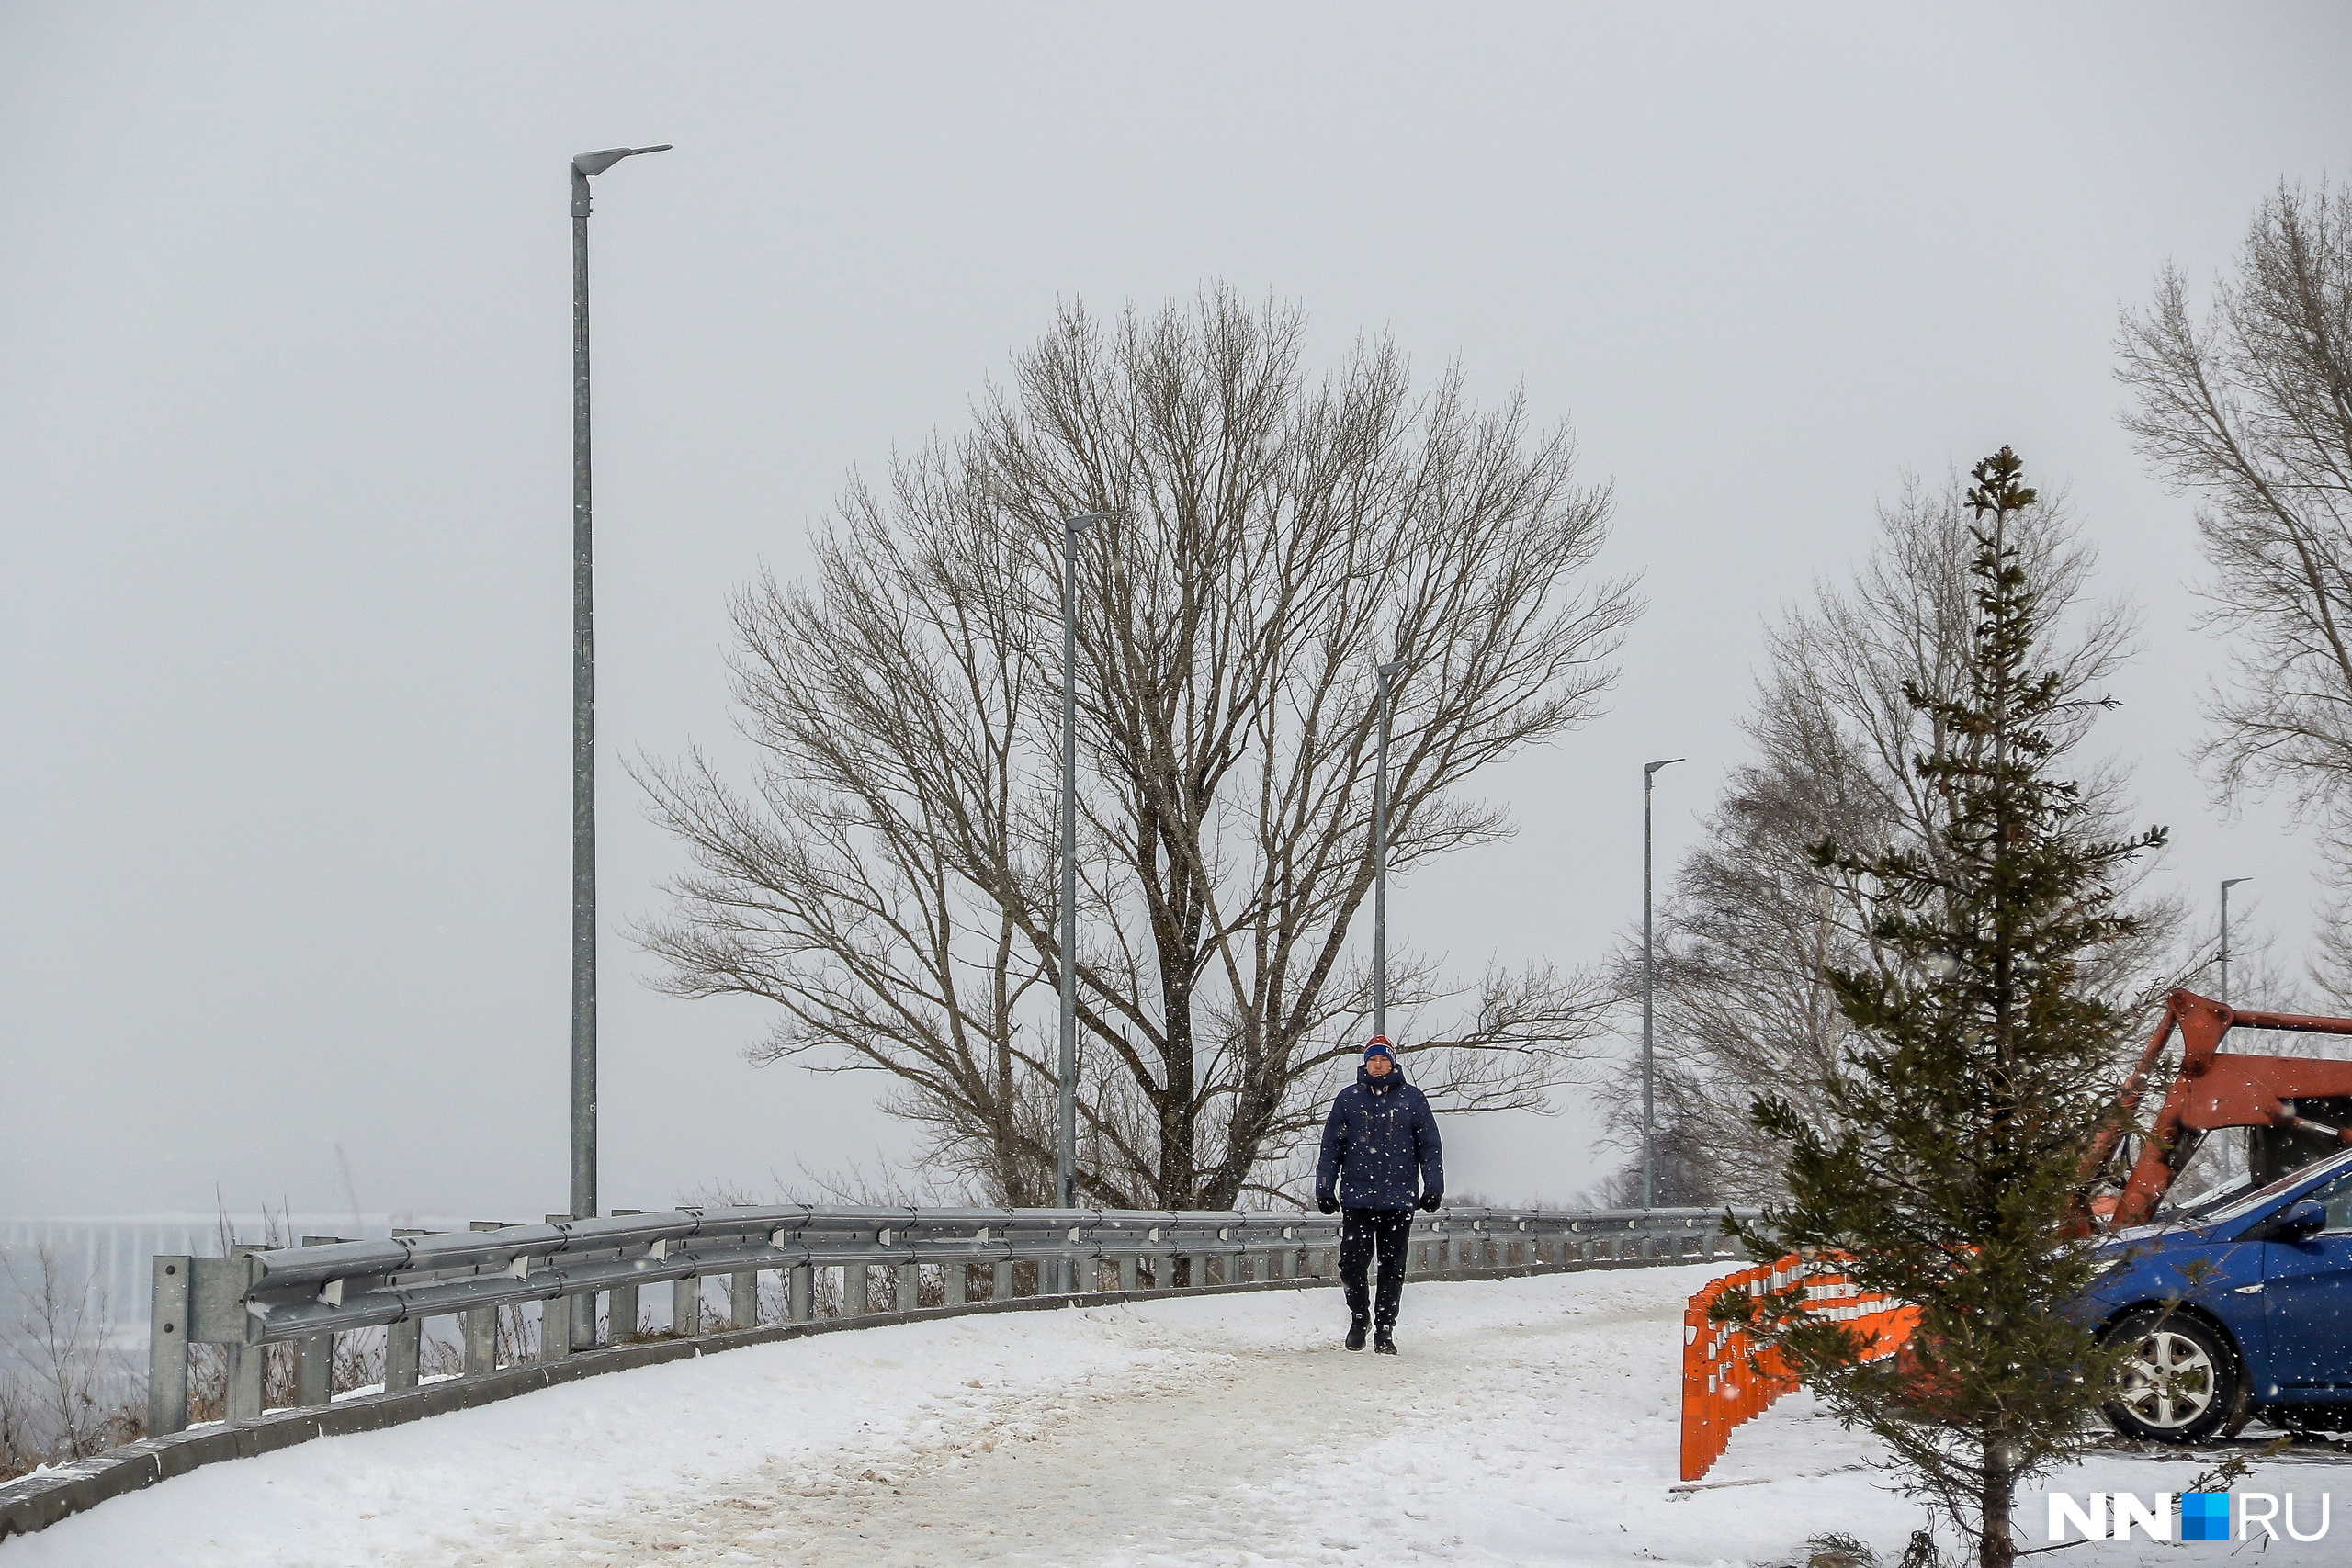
(1954, 1157)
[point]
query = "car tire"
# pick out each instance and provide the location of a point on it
(2181, 1378)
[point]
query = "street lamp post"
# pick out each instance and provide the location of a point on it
(583, 708)
(1065, 1136)
(1388, 673)
(2225, 998)
(1649, 977)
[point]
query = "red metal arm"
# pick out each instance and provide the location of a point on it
(2214, 1089)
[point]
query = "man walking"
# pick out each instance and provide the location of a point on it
(1379, 1147)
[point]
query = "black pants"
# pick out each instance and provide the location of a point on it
(1362, 1231)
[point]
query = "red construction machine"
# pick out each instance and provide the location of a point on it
(2298, 1109)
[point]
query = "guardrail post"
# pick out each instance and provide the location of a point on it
(168, 1345)
(248, 1364)
(1001, 1280)
(314, 1370)
(621, 1312)
(481, 1336)
(568, 1325)
(909, 1286)
(403, 1342)
(403, 1348)
(481, 1324)
(743, 1299)
(853, 1284)
(315, 1353)
(621, 1308)
(955, 1282)
(685, 1308)
(1129, 1273)
(799, 1293)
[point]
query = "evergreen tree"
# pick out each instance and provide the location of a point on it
(1981, 1072)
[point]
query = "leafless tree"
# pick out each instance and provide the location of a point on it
(2249, 408)
(888, 877)
(1750, 925)
(64, 1389)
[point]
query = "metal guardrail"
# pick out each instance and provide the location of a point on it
(305, 1296)
(308, 1295)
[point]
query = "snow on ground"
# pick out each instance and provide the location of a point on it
(1529, 1421)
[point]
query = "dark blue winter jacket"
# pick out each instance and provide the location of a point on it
(1380, 1147)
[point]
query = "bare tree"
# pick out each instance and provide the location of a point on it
(1750, 925)
(65, 1391)
(888, 877)
(2250, 408)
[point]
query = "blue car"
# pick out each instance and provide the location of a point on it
(2234, 1308)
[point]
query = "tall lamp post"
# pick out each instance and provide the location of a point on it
(2225, 998)
(1065, 1136)
(1388, 673)
(583, 706)
(1649, 979)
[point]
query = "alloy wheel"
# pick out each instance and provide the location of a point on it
(2169, 1381)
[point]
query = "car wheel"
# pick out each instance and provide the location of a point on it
(2179, 1381)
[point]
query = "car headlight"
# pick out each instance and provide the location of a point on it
(2106, 1266)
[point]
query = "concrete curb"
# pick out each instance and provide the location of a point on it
(36, 1502)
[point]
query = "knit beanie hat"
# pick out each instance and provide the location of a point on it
(1379, 1047)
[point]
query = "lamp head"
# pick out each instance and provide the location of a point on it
(1085, 520)
(1649, 768)
(597, 163)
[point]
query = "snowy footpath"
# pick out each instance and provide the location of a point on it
(1529, 1421)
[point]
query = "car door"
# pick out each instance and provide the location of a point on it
(2307, 1300)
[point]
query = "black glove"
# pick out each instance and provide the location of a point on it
(1429, 1199)
(1325, 1201)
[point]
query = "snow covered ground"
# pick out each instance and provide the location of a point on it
(1529, 1421)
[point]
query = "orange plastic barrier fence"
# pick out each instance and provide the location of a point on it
(1726, 1380)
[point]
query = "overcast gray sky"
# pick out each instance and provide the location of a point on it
(284, 463)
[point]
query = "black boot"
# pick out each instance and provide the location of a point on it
(1355, 1334)
(1383, 1343)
